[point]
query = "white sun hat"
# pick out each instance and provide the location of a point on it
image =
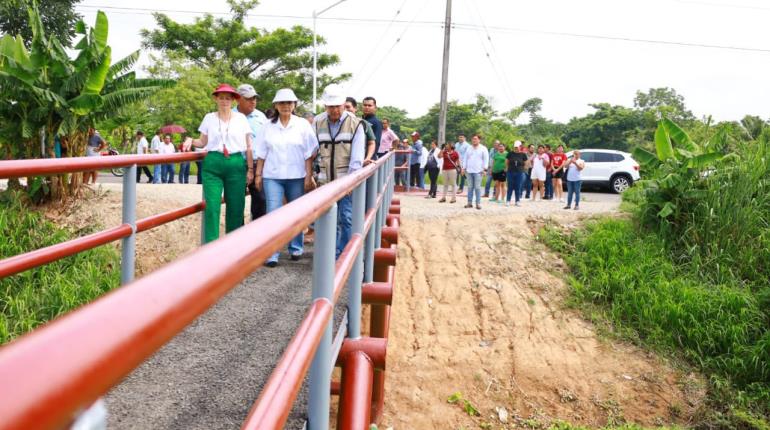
(285, 95)
(517, 144)
(333, 95)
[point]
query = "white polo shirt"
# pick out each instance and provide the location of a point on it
(141, 146)
(231, 133)
(285, 149)
(167, 148)
(476, 159)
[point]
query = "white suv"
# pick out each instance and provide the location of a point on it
(608, 168)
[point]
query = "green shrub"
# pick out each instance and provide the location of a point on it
(31, 298)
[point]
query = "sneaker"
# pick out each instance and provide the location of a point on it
(492, 200)
(468, 206)
(561, 200)
(517, 204)
(576, 207)
(442, 200)
(478, 207)
(271, 264)
(453, 201)
(507, 204)
(295, 257)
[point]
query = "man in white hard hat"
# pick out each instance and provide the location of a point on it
(247, 105)
(342, 149)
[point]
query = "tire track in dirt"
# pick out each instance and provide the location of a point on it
(475, 311)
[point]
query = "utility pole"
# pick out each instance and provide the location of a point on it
(444, 76)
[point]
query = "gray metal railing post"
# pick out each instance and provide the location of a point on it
(356, 275)
(323, 288)
(203, 219)
(380, 213)
(128, 246)
(371, 199)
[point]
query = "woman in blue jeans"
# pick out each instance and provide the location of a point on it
(574, 166)
(285, 147)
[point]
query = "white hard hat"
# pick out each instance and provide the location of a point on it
(333, 95)
(285, 95)
(517, 144)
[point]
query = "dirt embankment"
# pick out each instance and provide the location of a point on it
(479, 310)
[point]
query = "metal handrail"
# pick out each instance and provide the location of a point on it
(58, 166)
(48, 380)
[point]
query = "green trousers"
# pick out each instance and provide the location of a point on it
(229, 174)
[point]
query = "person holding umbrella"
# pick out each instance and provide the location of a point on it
(226, 135)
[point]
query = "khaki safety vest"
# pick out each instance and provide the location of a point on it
(334, 151)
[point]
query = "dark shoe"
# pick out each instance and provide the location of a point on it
(565, 207)
(485, 196)
(295, 257)
(442, 200)
(271, 264)
(468, 206)
(478, 207)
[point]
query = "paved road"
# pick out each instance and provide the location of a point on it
(209, 375)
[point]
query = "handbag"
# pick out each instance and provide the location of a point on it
(459, 170)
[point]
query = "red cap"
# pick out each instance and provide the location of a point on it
(224, 88)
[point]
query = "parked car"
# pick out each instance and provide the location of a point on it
(615, 170)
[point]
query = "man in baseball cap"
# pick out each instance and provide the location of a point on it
(414, 160)
(247, 105)
(341, 151)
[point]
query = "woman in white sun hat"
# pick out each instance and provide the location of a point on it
(285, 148)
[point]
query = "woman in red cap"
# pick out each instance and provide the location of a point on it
(226, 135)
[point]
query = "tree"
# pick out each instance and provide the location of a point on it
(48, 94)
(609, 127)
(58, 18)
(400, 123)
(268, 60)
(658, 103)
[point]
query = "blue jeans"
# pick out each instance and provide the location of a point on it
(515, 184)
(474, 187)
(548, 185)
(167, 175)
(528, 183)
(344, 222)
(573, 187)
(488, 185)
(421, 180)
(184, 173)
(275, 191)
(199, 164)
(156, 173)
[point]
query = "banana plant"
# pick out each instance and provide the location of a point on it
(48, 93)
(678, 166)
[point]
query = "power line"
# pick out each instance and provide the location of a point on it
(464, 26)
(507, 89)
(385, 57)
(375, 50)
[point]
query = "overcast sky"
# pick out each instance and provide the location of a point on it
(537, 49)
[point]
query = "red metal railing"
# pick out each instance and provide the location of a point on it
(61, 368)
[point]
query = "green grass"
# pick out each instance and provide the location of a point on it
(31, 298)
(628, 277)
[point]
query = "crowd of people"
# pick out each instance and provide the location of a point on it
(519, 172)
(278, 156)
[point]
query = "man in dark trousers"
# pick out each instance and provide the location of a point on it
(414, 160)
(370, 115)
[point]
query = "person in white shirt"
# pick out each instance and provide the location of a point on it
(423, 163)
(284, 152)
(540, 162)
(142, 148)
(226, 135)
(475, 163)
(155, 149)
(167, 169)
(461, 146)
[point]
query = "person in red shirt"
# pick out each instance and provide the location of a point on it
(557, 164)
(449, 169)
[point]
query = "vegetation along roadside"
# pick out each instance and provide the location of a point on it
(686, 272)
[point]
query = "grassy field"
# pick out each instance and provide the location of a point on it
(36, 296)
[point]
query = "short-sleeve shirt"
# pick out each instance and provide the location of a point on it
(285, 149)
(141, 146)
(220, 134)
(155, 145)
(517, 162)
(451, 155)
(558, 159)
(498, 161)
(167, 149)
(573, 174)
